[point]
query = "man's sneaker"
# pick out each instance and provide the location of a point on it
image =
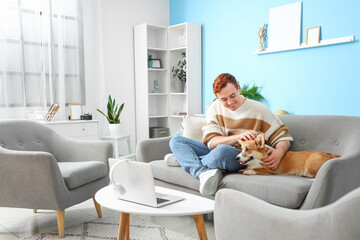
(171, 160)
(209, 181)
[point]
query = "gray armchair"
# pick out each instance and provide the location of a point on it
(40, 169)
(238, 215)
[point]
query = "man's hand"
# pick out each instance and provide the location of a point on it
(275, 155)
(274, 158)
(248, 135)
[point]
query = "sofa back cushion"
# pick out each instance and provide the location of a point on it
(333, 134)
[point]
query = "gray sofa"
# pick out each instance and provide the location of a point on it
(334, 134)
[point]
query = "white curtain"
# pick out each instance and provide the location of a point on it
(41, 56)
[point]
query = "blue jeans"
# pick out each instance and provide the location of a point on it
(195, 157)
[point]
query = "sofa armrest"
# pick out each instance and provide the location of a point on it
(21, 169)
(152, 149)
(335, 178)
(240, 216)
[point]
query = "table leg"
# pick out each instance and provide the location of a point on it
(128, 230)
(199, 221)
(124, 226)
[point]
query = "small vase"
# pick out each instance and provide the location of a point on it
(116, 130)
(150, 64)
(179, 86)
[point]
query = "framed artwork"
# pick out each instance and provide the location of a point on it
(75, 111)
(313, 36)
(156, 63)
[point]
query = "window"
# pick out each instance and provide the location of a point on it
(41, 53)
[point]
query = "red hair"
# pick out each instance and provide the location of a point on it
(222, 80)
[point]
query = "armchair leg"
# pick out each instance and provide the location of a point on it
(61, 222)
(98, 208)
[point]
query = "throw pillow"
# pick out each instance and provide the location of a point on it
(193, 127)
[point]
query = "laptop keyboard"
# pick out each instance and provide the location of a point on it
(161, 200)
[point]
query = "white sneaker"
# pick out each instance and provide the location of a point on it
(209, 181)
(171, 160)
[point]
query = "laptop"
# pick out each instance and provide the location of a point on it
(133, 181)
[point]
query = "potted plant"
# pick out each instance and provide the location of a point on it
(113, 117)
(150, 61)
(179, 74)
(251, 92)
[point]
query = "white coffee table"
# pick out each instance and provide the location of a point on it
(192, 205)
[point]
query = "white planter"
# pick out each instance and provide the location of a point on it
(116, 130)
(179, 86)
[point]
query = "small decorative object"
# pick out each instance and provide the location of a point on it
(156, 87)
(262, 35)
(156, 63)
(86, 116)
(179, 74)
(313, 36)
(281, 112)
(75, 111)
(113, 117)
(150, 61)
(182, 41)
(180, 113)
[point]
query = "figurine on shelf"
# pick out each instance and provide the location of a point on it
(262, 35)
(156, 87)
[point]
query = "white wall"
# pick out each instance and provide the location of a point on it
(115, 48)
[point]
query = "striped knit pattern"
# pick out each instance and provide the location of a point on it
(252, 115)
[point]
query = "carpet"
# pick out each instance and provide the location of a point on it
(107, 228)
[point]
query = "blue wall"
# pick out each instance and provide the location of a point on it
(322, 80)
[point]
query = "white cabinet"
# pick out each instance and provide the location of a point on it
(162, 108)
(87, 130)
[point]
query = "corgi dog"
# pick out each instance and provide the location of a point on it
(304, 163)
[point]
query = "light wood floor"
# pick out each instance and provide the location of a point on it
(16, 222)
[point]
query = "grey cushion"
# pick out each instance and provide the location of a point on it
(175, 175)
(76, 174)
(282, 190)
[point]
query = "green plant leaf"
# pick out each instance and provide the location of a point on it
(113, 110)
(104, 115)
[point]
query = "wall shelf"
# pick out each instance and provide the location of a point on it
(303, 45)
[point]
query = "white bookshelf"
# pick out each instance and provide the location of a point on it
(166, 43)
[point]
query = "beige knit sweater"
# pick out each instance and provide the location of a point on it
(252, 115)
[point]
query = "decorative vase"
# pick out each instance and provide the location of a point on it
(150, 64)
(179, 86)
(116, 130)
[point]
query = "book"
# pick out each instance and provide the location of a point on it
(48, 113)
(54, 112)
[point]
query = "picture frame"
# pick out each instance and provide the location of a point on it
(313, 36)
(75, 111)
(156, 63)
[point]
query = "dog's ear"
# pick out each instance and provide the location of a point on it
(260, 140)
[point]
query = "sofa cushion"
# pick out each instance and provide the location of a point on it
(193, 127)
(76, 174)
(283, 190)
(174, 175)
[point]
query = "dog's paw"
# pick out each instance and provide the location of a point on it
(242, 170)
(249, 172)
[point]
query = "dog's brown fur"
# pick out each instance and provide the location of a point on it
(304, 163)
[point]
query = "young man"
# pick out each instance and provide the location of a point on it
(229, 118)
